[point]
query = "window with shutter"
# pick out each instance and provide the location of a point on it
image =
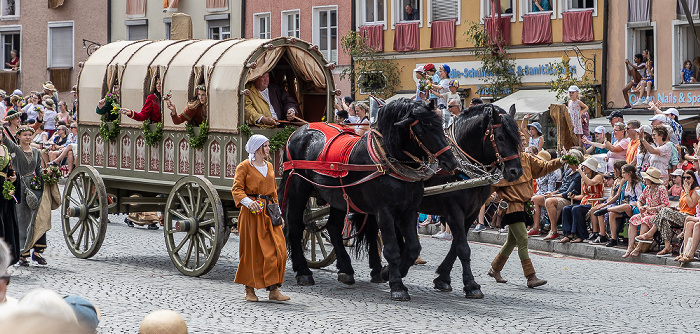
(61, 45)
(137, 32)
(444, 10)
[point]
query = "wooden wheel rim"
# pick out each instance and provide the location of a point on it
(85, 191)
(194, 202)
(318, 251)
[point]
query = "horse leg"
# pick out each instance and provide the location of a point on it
(294, 213)
(392, 255)
(412, 247)
(335, 224)
(373, 251)
(472, 289)
(443, 281)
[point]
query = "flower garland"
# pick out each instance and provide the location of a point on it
(277, 141)
(570, 159)
(35, 183)
(197, 141)
(152, 137)
(8, 190)
(106, 133)
(51, 175)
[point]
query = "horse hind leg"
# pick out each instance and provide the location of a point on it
(336, 220)
(294, 213)
(373, 250)
(392, 255)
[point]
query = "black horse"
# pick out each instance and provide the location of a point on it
(409, 130)
(490, 137)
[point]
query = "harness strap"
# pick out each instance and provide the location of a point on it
(329, 166)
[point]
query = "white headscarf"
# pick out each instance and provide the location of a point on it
(254, 144)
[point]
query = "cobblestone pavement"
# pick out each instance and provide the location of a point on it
(132, 275)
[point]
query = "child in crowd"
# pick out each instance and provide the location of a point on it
(533, 132)
(578, 111)
(674, 192)
(600, 138)
(687, 73)
(453, 85)
(420, 76)
(645, 85)
(637, 71)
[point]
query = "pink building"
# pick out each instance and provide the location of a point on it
(49, 36)
(321, 22)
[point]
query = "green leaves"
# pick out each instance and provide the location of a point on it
(504, 79)
(371, 72)
(197, 141)
(152, 137)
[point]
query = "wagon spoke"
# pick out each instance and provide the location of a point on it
(206, 235)
(75, 201)
(189, 252)
(321, 245)
(80, 235)
(93, 227)
(193, 212)
(88, 226)
(207, 203)
(199, 201)
(207, 222)
(182, 243)
(75, 228)
(177, 214)
(184, 205)
(78, 188)
(86, 189)
(313, 247)
(196, 255)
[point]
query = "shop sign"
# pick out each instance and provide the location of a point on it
(532, 70)
(675, 98)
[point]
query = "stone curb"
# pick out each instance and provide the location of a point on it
(584, 250)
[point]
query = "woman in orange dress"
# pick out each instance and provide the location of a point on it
(262, 247)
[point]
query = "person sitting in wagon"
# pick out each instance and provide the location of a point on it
(194, 112)
(151, 109)
(104, 108)
(267, 103)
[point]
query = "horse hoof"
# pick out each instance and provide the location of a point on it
(401, 296)
(385, 273)
(305, 280)
(473, 294)
(377, 279)
(442, 286)
(346, 278)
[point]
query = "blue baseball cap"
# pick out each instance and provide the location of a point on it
(88, 315)
(446, 68)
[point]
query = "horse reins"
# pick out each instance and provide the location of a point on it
(432, 156)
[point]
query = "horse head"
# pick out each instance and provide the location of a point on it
(496, 136)
(410, 127)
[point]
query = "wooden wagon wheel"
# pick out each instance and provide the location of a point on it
(316, 244)
(84, 212)
(194, 225)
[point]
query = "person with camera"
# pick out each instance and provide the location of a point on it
(516, 194)
(262, 247)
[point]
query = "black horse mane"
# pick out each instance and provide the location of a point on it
(400, 110)
(475, 117)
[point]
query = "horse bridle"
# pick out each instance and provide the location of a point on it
(490, 134)
(432, 156)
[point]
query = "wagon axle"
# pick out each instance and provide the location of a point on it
(80, 211)
(189, 225)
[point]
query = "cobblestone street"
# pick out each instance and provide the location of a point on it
(132, 275)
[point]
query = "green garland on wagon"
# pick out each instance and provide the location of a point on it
(8, 190)
(105, 132)
(152, 137)
(197, 141)
(277, 141)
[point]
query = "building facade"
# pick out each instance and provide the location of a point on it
(321, 22)
(50, 37)
(141, 19)
(416, 32)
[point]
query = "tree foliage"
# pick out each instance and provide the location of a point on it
(499, 66)
(371, 72)
(565, 77)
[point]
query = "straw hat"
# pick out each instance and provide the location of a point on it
(591, 163)
(48, 103)
(677, 172)
(653, 174)
(49, 86)
(544, 155)
(163, 321)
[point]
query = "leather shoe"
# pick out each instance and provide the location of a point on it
(23, 262)
(534, 231)
(153, 227)
(600, 212)
(39, 259)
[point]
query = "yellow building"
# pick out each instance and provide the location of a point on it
(416, 32)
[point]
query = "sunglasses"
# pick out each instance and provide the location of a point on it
(687, 178)
(5, 278)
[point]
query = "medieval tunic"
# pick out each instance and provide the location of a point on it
(33, 223)
(192, 116)
(9, 230)
(150, 110)
(262, 247)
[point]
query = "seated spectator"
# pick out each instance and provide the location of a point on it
(654, 197)
(69, 150)
(410, 13)
(691, 239)
(637, 71)
(48, 303)
(420, 76)
(616, 151)
(49, 117)
(362, 111)
(687, 73)
(643, 156)
(163, 321)
(533, 132)
(545, 184)
(668, 218)
(453, 85)
(41, 138)
(670, 119)
(13, 64)
(661, 152)
(194, 113)
(675, 190)
(556, 201)
(541, 6)
(613, 184)
(56, 144)
(475, 101)
(625, 204)
(645, 85)
(599, 134)
(267, 103)
(63, 115)
(573, 219)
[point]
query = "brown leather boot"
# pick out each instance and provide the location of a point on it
(529, 272)
(250, 294)
(496, 267)
(278, 296)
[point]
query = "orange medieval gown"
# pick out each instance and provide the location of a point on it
(262, 248)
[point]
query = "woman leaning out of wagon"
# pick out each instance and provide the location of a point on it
(151, 109)
(262, 248)
(194, 112)
(35, 199)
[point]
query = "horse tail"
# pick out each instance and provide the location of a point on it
(367, 232)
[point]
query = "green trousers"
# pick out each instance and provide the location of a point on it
(517, 236)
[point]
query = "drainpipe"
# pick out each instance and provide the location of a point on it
(109, 21)
(353, 28)
(243, 17)
(603, 93)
